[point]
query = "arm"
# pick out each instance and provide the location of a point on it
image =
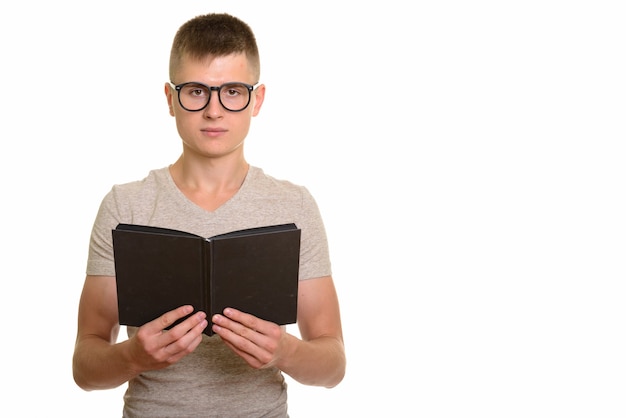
(317, 359)
(101, 363)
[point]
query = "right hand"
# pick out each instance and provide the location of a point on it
(155, 347)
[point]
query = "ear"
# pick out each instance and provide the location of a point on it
(258, 97)
(170, 97)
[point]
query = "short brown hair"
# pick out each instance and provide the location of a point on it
(214, 34)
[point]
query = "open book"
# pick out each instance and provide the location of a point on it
(253, 270)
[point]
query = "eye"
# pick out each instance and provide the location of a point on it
(195, 91)
(231, 92)
(234, 90)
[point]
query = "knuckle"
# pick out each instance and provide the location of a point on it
(164, 321)
(142, 335)
(266, 359)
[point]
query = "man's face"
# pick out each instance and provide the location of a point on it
(214, 131)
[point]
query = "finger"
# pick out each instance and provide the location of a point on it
(250, 352)
(194, 325)
(174, 354)
(247, 320)
(167, 319)
(183, 339)
(243, 337)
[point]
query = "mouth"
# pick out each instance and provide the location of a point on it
(213, 132)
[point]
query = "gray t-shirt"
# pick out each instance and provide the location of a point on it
(212, 381)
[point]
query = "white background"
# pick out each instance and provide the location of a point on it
(467, 158)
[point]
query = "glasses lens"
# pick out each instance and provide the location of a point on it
(194, 96)
(234, 96)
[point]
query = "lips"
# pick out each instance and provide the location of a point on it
(213, 131)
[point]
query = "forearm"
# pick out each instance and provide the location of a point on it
(97, 364)
(319, 362)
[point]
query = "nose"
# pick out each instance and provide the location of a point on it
(214, 108)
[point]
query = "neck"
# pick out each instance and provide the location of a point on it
(214, 177)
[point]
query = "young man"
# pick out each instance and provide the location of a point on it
(209, 190)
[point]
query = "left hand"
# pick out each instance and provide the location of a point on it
(260, 343)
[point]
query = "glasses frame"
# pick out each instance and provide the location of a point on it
(218, 89)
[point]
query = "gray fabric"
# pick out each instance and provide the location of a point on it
(212, 381)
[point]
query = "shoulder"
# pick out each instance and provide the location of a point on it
(130, 197)
(155, 180)
(265, 184)
(286, 198)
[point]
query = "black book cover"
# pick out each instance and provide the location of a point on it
(254, 270)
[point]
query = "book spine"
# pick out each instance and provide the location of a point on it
(207, 290)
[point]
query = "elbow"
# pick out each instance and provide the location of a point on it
(87, 384)
(80, 382)
(340, 373)
(79, 377)
(83, 377)
(82, 385)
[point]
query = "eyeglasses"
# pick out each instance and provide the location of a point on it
(194, 96)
